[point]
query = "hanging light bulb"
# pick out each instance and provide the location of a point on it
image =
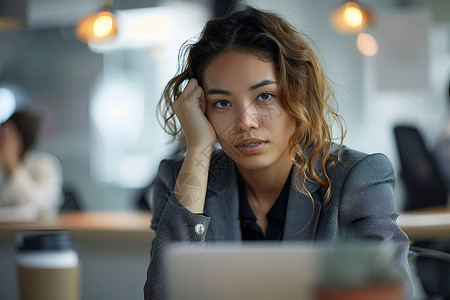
(352, 15)
(103, 25)
(97, 27)
(351, 18)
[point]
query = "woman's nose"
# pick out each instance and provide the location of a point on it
(247, 118)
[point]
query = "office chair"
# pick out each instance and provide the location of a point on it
(70, 200)
(432, 267)
(142, 202)
(424, 182)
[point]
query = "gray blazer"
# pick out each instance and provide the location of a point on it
(361, 207)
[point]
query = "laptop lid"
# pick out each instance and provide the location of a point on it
(261, 270)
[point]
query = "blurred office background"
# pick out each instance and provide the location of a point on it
(98, 100)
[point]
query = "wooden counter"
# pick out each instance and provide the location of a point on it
(430, 223)
(426, 224)
(98, 224)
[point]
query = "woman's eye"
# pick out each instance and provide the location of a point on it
(221, 104)
(265, 97)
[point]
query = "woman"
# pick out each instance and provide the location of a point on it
(255, 86)
(28, 179)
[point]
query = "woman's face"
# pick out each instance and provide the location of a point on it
(243, 107)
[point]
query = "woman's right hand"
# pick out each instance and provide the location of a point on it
(190, 188)
(190, 110)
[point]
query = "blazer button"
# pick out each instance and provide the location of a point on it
(199, 229)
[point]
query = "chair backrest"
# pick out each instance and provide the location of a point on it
(70, 201)
(423, 180)
(432, 266)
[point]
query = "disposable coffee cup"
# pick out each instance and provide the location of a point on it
(47, 266)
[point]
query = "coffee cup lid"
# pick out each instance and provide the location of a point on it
(44, 241)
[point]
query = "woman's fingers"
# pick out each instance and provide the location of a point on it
(192, 93)
(190, 87)
(190, 110)
(203, 102)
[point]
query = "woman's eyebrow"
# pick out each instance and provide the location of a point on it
(218, 91)
(251, 88)
(262, 83)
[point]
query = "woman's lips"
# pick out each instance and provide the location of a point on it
(251, 146)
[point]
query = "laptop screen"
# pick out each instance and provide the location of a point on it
(260, 270)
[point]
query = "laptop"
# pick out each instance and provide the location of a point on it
(267, 270)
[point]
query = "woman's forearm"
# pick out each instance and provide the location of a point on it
(190, 188)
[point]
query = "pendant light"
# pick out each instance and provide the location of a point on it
(98, 27)
(351, 18)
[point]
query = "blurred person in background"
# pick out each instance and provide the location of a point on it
(28, 178)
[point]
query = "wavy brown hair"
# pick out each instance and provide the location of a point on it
(304, 89)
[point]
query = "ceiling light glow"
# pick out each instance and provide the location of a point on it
(367, 45)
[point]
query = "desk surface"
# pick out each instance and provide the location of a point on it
(426, 224)
(431, 223)
(98, 223)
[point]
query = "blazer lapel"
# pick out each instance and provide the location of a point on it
(222, 201)
(302, 213)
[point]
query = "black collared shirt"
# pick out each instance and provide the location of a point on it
(275, 217)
